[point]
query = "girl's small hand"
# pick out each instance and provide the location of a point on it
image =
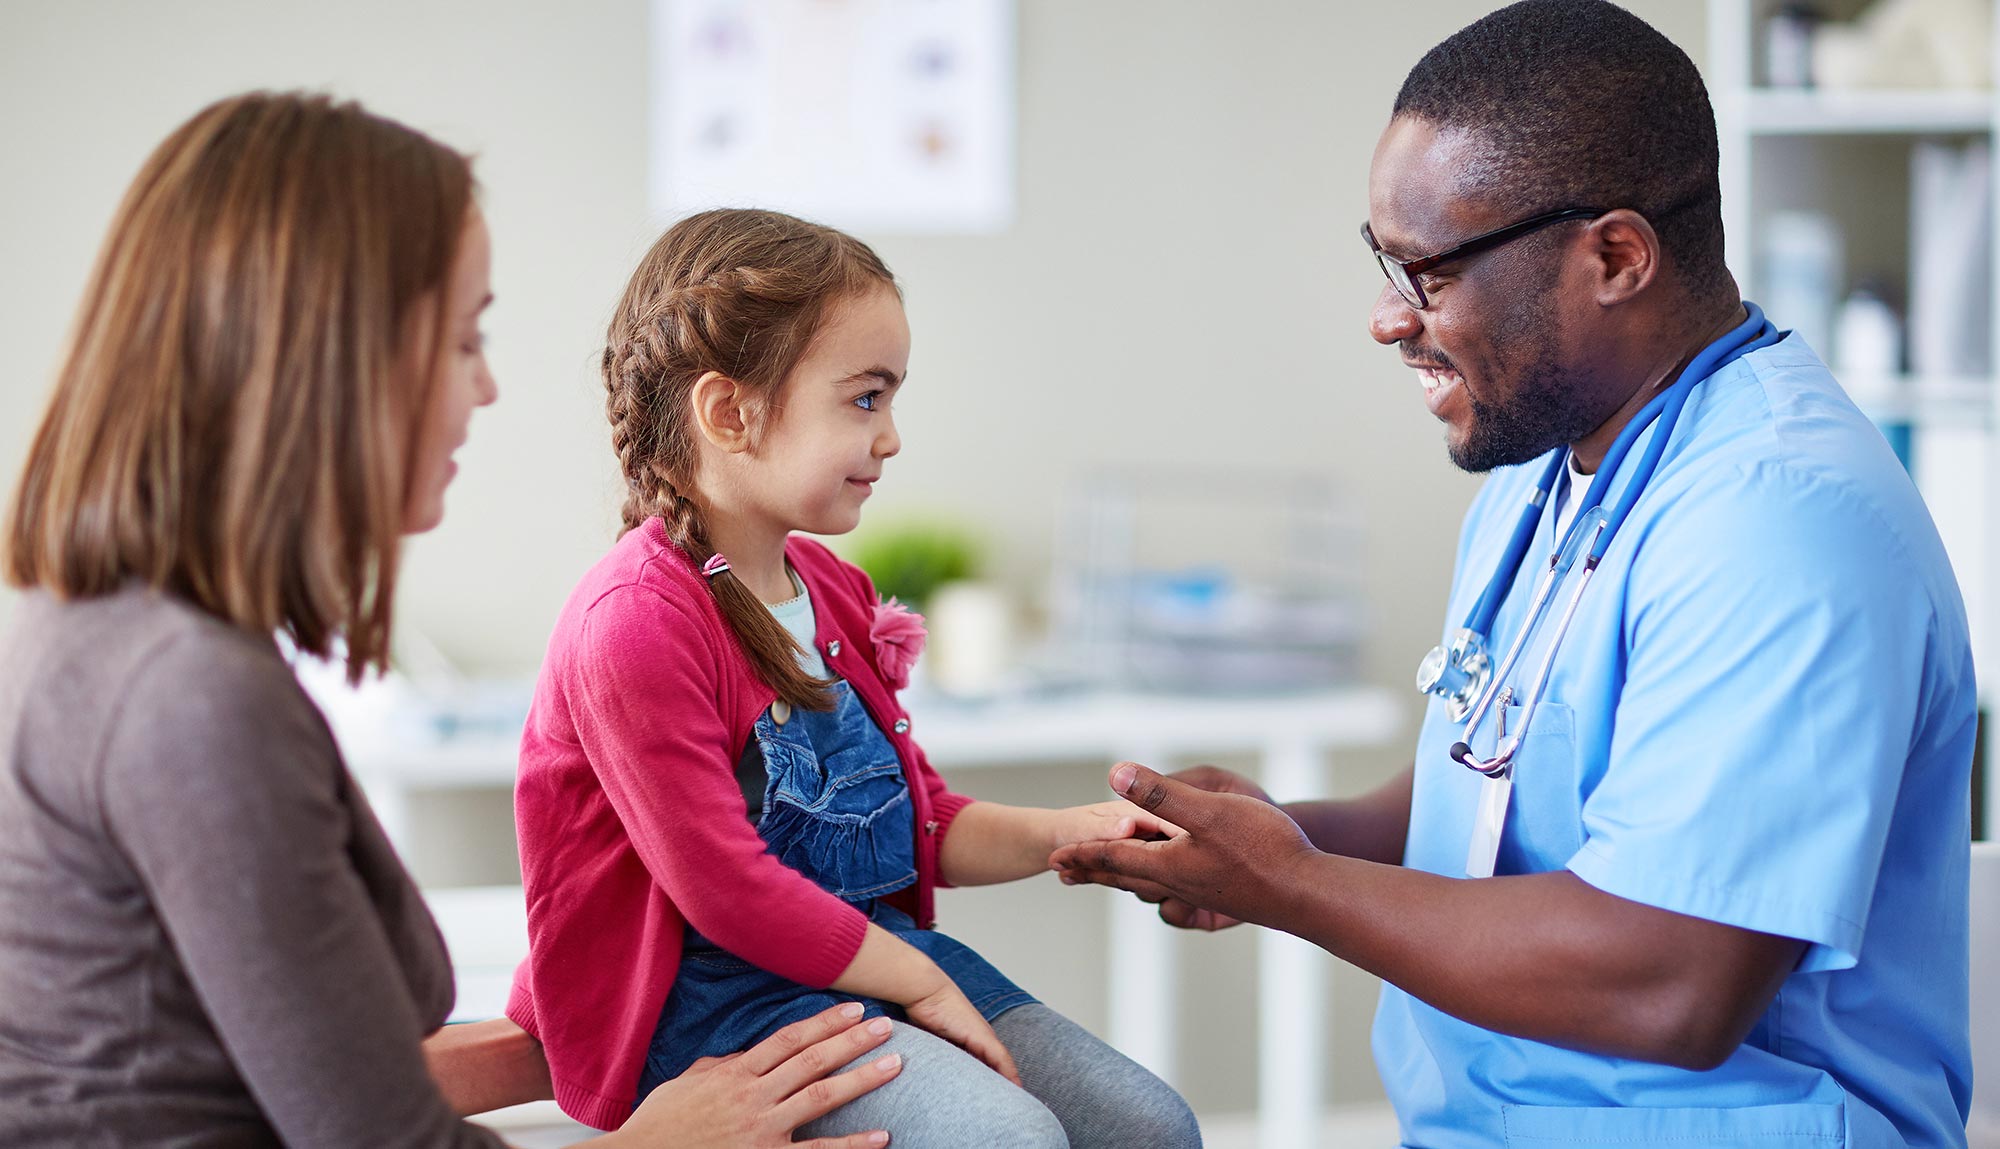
(947, 1013)
(1109, 821)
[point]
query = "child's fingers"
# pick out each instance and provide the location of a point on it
(1003, 1064)
(988, 1048)
(951, 1016)
(799, 1036)
(1144, 821)
(1151, 820)
(1151, 824)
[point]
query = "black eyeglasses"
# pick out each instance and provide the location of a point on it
(1403, 273)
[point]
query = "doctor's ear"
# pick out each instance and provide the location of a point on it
(725, 412)
(1626, 255)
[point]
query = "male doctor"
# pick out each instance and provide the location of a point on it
(1729, 902)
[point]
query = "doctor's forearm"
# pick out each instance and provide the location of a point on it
(1373, 827)
(1547, 957)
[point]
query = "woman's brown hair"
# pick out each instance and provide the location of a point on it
(231, 423)
(741, 293)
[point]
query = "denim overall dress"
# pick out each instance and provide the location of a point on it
(834, 806)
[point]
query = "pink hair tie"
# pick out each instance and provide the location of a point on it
(715, 565)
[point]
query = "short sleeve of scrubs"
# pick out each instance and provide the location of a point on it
(1776, 640)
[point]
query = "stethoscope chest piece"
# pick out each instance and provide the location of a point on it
(1457, 674)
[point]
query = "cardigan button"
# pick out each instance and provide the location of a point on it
(833, 649)
(902, 726)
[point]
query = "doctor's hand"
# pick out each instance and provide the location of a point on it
(1233, 862)
(1215, 780)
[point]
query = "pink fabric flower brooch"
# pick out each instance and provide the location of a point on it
(898, 634)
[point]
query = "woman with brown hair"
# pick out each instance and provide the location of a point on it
(205, 937)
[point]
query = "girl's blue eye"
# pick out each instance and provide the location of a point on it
(867, 402)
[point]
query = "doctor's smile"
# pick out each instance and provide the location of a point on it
(1439, 384)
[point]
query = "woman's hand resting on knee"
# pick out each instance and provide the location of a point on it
(755, 1099)
(749, 1100)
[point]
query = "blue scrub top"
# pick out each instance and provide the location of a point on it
(1763, 715)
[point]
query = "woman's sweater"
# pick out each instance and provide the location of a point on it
(205, 939)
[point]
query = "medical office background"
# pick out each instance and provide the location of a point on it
(1140, 366)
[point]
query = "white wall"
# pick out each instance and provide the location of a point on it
(1184, 283)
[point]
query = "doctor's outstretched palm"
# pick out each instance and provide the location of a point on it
(1226, 867)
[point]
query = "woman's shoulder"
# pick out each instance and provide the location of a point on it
(144, 640)
(143, 689)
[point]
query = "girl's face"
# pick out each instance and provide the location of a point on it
(824, 444)
(463, 382)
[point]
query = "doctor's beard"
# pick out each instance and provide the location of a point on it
(1547, 407)
(1541, 415)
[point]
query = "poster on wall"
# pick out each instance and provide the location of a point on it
(877, 116)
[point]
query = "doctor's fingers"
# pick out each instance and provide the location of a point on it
(1145, 891)
(1128, 864)
(1174, 910)
(1188, 916)
(1216, 780)
(1169, 800)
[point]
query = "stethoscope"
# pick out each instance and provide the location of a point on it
(1462, 674)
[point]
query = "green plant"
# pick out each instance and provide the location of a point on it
(911, 560)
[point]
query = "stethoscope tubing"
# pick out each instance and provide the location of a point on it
(1661, 414)
(1502, 762)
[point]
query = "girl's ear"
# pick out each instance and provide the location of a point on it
(722, 412)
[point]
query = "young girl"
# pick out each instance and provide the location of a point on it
(725, 825)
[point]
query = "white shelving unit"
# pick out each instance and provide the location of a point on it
(1794, 112)
(1825, 150)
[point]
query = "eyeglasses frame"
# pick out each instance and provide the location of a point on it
(1487, 241)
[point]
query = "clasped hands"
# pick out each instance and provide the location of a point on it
(1226, 853)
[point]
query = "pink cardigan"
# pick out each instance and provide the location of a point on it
(631, 821)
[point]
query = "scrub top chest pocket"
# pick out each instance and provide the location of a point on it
(836, 806)
(1544, 826)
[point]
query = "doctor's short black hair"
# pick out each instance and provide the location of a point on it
(1583, 105)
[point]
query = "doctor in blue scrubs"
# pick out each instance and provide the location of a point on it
(1726, 826)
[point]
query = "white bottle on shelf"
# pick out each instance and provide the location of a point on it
(1799, 261)
(1868, 350)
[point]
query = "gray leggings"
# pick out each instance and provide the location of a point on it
(1081, 1094)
